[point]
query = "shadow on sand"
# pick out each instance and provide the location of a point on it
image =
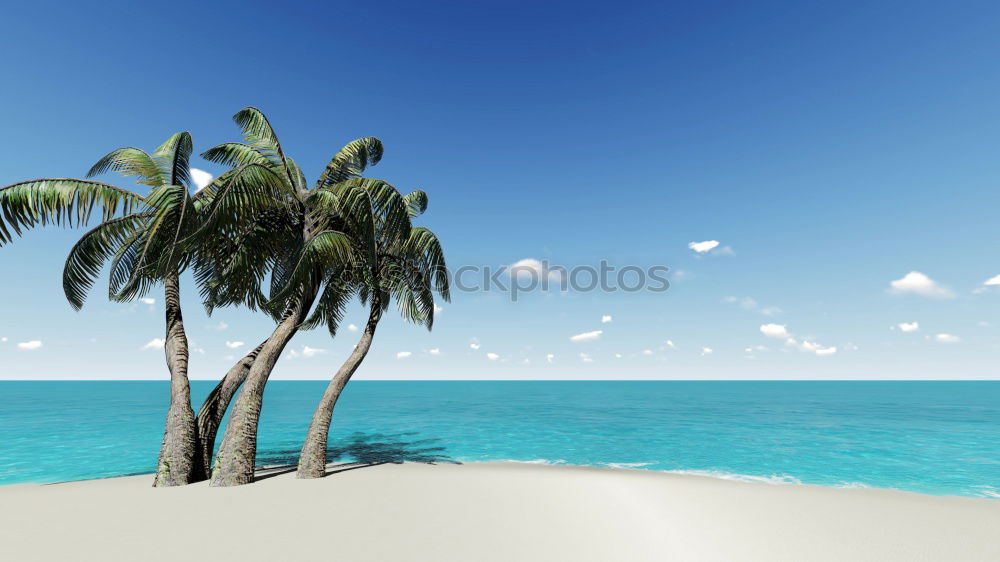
(361, 450)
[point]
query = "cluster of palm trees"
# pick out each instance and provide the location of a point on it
(258, 236)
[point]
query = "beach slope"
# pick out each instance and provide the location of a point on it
(490, 512)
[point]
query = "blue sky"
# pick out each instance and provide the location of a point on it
(832, 149)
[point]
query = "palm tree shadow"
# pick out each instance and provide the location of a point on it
(362, 450)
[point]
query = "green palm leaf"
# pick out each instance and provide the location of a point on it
(351, 161)
(59, 201)
(174, 156)
(130, 162)
(83, 265)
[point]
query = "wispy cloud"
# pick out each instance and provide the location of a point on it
(435, 351)
(587, 336)
(306, 352)
(29, 345)
(551, 358)
(234, 344)
(908, 326)
(403, 354)
(947, 338)
(751, 304)
(492, 356)
(606, 319)
(586, 358)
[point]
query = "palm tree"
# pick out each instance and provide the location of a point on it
(282, 228)
(408, 265)
(145, 243)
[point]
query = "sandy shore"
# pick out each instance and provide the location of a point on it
(478, 512)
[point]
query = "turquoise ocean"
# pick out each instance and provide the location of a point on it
(930, 437)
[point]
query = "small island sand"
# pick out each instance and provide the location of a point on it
(490, 511)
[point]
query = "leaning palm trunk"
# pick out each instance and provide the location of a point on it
(234, 464)
(312, 461)
(213, 409)
(177, 453)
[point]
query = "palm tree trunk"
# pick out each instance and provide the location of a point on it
(234, 464)
(312, 461)
(177, 453)
(213, 409)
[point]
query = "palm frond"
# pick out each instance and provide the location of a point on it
(174, 156)
(333, 302)
(59, 201)
(351, 161)
(83, 265)
(235, 154)
(258, 132)
(322, 253)
(416, 203)
(130, 162)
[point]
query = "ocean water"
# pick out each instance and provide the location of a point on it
(930, 437)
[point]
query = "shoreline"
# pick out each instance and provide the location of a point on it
(772, 480)
(491, 511)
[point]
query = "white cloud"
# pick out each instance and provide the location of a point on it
(618, 356)
(774, 331)
(29, 345)
(647, 352)
(3, 339)
(755, 348)
(606, 319)
(201, 178)
(770, 311)
(586, 358)
(992, 281)
(438, 309)
(234, 344)
(813, 347)
(306, 352)
(587, 336)
(707, 351)
(474, 345)
(908, 326)
(780, 331)
(670, 344)
(403, 354)
(531, 270)
(155, 343)
(492, 356)
(702, 247)
(352, 328)
(947, 338)
(147, 300)
(916, 283)
(551, 358)
(221, 326)
(435, 351)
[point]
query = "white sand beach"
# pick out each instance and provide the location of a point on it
(490, 511)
